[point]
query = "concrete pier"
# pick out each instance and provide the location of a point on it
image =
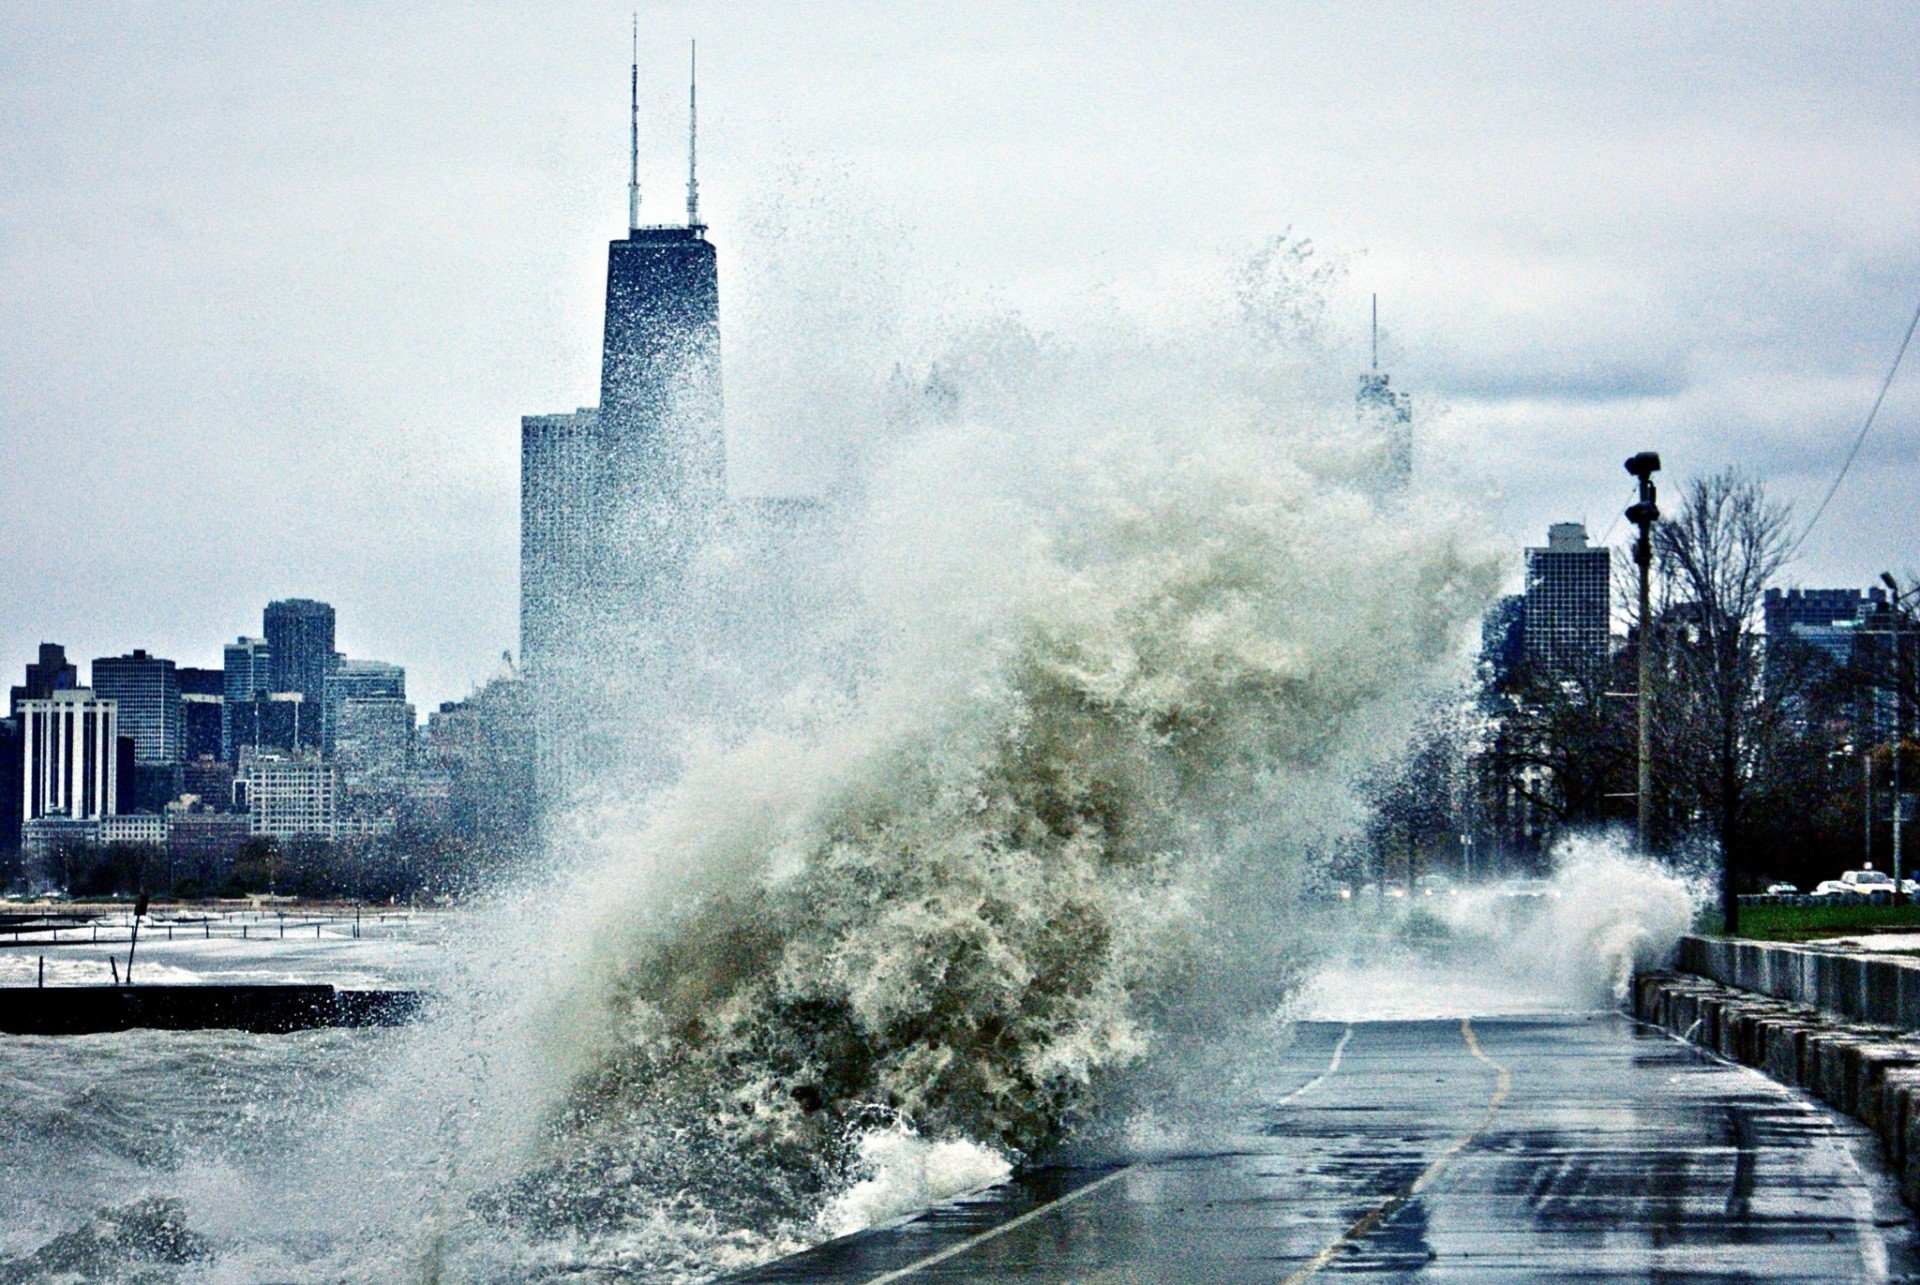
(270, 1009)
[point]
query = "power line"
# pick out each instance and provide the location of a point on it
(1862, 437)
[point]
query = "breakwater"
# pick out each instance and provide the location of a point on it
(264, 1009)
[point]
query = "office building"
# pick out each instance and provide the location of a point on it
(373, 742)
(208, 779)
(70, 764)
(1566, 615)
(51, 673)
(615, 498)
(357, 680)
(1825, 620)
(1389, 414)
(289, 796)
(248, 673)
(144, 828)
(271, 721)
(11, 789)
(202, 711)
(147, 691)
(300, 633)
(558, 532)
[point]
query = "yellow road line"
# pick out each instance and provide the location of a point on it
(1392, 1205)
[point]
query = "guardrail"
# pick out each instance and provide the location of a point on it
(259, 927)
(1809, 899)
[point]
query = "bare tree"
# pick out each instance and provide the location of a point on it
(1715, 557)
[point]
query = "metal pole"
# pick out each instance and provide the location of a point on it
(1644, 514)
(1899, 726)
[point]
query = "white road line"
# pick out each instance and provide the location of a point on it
(1339, 1050)
(954, 1251)
(1394, 1203)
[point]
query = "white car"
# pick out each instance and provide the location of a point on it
(1868, 880)
(1781, 889)
(1831, 888)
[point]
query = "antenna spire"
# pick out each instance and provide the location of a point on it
(633, 183)
(693, 134)
(1376, 333)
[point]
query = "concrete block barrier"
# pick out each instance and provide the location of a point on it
(1883, 990)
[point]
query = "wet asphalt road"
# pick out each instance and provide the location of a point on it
(1564, 1148)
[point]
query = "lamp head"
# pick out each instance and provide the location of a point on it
(1644, 465)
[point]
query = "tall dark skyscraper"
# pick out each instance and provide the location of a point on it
(300, 633)
(148, 691)
(53, 672)
(615, 498)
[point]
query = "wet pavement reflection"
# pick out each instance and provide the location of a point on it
(1617, 1154)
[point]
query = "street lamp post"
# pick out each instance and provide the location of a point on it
(1899, 726)
(1643, 514)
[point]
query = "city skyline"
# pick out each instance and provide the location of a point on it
(339, 277)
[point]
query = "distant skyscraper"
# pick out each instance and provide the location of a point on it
(1823, 619)
(50, 674)
(614, 499)
(248, 673)
(147, 690)
(1389, 413)
(358, 680)
(559, 531)
(300, 632)
(1568, 609)
(373, 741)
(202, 712)
(70, 764)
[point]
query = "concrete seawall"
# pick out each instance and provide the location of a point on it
(1881, 989)
(1744, 1001)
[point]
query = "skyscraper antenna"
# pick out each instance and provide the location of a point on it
(1376, 333)
(633, 183)
(693, 134)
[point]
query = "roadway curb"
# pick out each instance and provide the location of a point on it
(1869, 1072)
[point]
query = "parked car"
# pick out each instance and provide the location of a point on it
(1781, 889)
(1867, 880)
(1832, 888)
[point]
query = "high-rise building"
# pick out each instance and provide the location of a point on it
(248, 673)
(300, 632)
(272, 721)
(69, 760)
(373, 741)
(51, 673)
(1388, 413)
(1567, 613)
(559, 531)
(147, 690)
(289, 796)
(614, 499)
(485, 746)
(357, 680)
(1826, 620)
(202, 711)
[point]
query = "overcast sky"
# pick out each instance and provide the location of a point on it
(277, 282)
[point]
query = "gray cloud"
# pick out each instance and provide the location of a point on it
(276, 285)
